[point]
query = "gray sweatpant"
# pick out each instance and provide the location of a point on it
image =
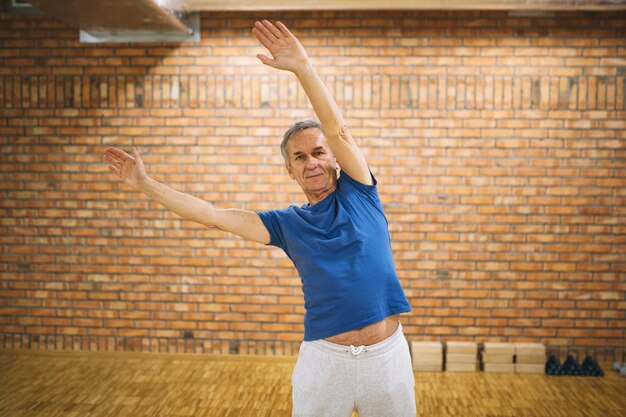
(332, 380)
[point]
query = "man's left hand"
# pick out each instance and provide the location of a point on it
(287, 51)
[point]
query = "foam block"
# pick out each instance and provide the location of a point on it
(530, 349)
(427, 367)
(461, 347)
(500, 348)
(534, 359)
(499, 367)
(427, 347)
(461, 367)
(460, 357)
(496, 358)
(427, 356)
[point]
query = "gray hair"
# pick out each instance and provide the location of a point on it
(295, 128)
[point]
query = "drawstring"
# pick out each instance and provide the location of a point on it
(357, 350)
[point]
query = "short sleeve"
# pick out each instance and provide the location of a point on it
(370, 191)
(271, 221)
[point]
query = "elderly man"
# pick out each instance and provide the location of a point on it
(354, 355)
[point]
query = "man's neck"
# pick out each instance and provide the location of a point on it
(315, 198)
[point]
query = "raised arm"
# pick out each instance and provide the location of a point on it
(131, 170)
(289, 54)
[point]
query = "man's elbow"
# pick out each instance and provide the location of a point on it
(338, 131)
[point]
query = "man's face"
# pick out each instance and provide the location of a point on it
(312, 163)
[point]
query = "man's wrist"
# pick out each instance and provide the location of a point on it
(144, 184)
(304, 70)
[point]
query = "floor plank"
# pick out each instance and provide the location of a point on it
(68, 384)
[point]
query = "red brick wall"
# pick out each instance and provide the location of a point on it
(498, 143)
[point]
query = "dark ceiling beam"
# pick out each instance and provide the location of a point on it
(117, 15)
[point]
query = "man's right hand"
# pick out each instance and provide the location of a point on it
(128, 168)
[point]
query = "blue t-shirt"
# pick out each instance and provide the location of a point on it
(342, 251)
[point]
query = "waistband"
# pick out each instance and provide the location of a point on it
(355, 351)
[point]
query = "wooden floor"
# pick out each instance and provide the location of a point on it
(53, 384)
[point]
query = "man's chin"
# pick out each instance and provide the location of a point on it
(318, 183)
(319, 187)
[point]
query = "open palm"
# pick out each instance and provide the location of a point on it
(128, 168)
(287, 52)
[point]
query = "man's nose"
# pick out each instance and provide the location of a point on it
(311, 162)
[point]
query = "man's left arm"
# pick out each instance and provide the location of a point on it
(289, 54)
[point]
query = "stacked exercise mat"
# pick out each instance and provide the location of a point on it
(530, 358)
(461, 357)
(522, 358)
(427, 356)
(498, 357)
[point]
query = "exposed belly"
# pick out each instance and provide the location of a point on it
(368, 335)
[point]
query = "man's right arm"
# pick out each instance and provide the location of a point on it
(244, 223)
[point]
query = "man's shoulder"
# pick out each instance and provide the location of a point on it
(348, 185)
(280, 213)
(345, 178)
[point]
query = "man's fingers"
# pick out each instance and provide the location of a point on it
(264, 59)
(273, 29)
(118, 154)
(263, 34)
(112, 161)
(136, 156)
(266, 27)
(115, 171)
(284, 29)
(262, 38)
(119, 160)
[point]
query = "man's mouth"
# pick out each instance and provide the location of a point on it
(314, 175)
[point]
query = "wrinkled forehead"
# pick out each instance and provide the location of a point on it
(306, 141)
